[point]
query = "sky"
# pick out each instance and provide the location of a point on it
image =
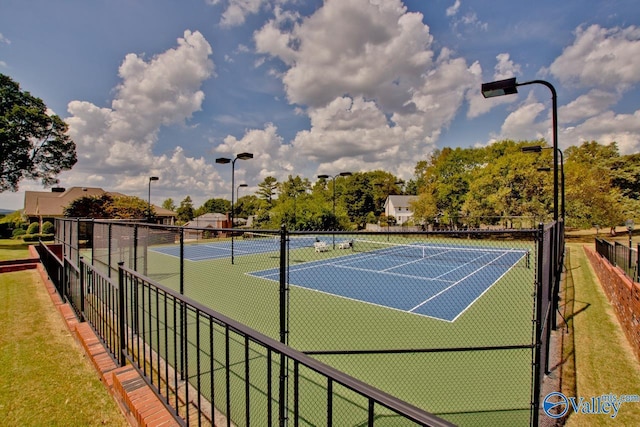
(164, 87)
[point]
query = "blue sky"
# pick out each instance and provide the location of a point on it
(161, 87)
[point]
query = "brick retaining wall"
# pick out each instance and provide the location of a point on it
(623, 294)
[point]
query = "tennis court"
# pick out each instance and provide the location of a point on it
(422, 316)
(242, 246)
(435, 281)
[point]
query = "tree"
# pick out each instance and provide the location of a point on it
(591, 197)
(33, 143)
(89, 207)
(266, 189)
(185, 211)
(214, 206)
(107, 207)
(169, 204)
(128, 207)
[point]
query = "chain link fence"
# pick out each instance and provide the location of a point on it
(454, 322)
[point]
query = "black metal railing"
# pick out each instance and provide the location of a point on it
(198, 360)
(622, 256)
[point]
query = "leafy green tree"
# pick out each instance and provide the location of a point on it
(247, 206)
(169, 204)
(128, 207)
(107, 207)
(213, 206)
(33, 143)
(444, 180)
(267, 189)
(185, 212)
(591, 197)
(89, 207)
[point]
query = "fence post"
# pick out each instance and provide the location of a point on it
(81, 266)
(109, 250)
(135, 248)
(183, 313)
(537, 368)
(121, 315)
(282, 404)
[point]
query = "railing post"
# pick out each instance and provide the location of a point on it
(282, 404)
(537, 368)
(109, 250)
(121, 315)
(82, 272)
(135, 248)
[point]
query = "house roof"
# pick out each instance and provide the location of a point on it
(51, 204)
(397, 201)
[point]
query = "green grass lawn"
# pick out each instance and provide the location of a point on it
(13, 249)
(45, 378)
(604, 361)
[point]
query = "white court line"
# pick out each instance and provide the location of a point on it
(464, 278)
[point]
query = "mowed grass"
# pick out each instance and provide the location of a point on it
(604, 360)
(13, 249)
(45, 378)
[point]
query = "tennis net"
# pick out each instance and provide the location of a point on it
(454, 254)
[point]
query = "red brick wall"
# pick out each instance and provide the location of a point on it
(623, 294)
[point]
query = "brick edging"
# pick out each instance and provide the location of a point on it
(139, 404)
(622, 293)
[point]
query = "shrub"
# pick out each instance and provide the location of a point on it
(48, 228)
(33, 228)
(37, 237)
(18, 232)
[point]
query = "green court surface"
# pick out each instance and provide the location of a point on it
(415, 358)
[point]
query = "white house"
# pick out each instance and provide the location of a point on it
(399, 208)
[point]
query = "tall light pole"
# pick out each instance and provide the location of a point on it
(223, 161)
(238, 191)
(538, 149)
(151, 178)
(509, 87)
(333, 178)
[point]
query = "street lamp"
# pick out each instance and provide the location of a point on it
(509, 87)
(151, 178)
(333, 178)
(238, 191)
(224, 161)
(538, 149)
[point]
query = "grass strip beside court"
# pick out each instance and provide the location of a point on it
(44, 377)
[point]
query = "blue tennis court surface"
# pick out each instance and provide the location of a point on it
(441, 283)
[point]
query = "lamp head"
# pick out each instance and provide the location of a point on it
(531, 149)
(244, 156)
(223, 160)
(153, 178)
(346, 173)
(499, 88)
(324, 176)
